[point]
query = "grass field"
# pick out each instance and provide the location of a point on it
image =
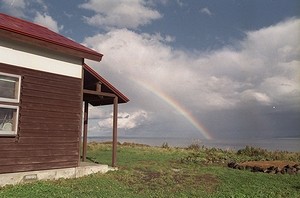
(170, 172)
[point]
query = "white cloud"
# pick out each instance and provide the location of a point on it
(206, 11)
(14, 3)
(120, 13)
(97, 113)
(254, 96)
(47, 21)
(22, 8)
(264, 67)
(125, 120)
(255, 74)
(14, 7)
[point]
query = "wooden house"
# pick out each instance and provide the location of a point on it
(44, 85)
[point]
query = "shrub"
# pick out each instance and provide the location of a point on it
(165, 145)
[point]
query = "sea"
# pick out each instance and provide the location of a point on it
(272, 144)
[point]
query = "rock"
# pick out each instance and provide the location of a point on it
(232, 164)
(271, 168)
(257, 169)
(272, 172)
(277, 170)
(278, 173)
(297, 166)
(290, 171)
(283, 171)
(248, 167)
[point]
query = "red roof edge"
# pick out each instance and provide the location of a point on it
(105, 82)
(40, 33)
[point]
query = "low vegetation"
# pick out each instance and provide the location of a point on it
(163, 171)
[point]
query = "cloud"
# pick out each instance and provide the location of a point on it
(125, 120)
(120, 13)
(47, 21)
(206, 11)
(219, 78)
(262, 70)
(31, 9)
(180, 3)
(14, 3)
(254, 96)
(97, 113)
(13, 7)
(22, 8)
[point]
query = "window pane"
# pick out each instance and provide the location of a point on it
(9, 87)
(8, 119)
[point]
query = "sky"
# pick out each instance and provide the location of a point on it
(204, 69)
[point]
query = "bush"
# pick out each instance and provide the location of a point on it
(165, 145)
(195, 147)
(252, 151)
(263, 154)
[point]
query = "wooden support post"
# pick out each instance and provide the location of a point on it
(85, 128)
(115, 132)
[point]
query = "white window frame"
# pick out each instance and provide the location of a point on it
(12, 104)
(15, 100)
(14, 131)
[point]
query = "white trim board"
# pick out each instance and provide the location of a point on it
(24, 56)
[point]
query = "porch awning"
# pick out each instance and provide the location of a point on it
(98, 91)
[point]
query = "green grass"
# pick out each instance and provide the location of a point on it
(169, 172)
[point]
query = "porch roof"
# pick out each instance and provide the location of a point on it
(92, 82)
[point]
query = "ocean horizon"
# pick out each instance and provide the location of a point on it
(272, 144)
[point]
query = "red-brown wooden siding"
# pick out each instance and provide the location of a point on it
(49, 123)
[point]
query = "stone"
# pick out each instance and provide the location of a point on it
(232, 164)
(257, 169)
(297, 166)
(290, 171)
(277, 170)
(271, 168)
(283, 171)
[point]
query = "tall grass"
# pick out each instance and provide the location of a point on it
(202, 154)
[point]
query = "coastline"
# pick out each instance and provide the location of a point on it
(272, 144)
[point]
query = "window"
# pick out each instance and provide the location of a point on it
(9, 103)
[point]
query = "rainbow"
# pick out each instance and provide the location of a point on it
(177, 106)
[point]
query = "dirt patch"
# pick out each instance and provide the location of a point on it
(208, 182)
(149, 176)
(267, 164)
(174, 180)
